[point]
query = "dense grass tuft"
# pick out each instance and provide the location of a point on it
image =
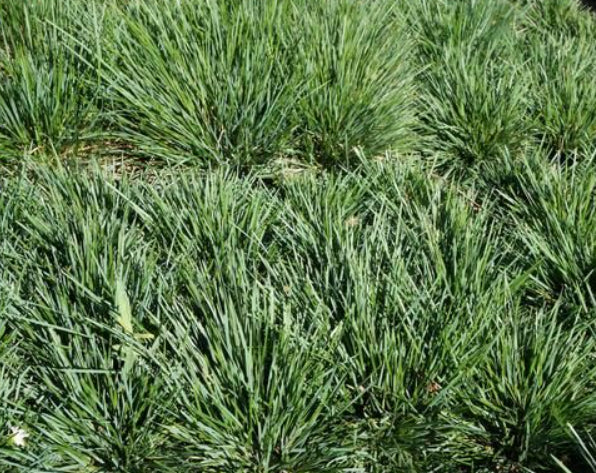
(259, 81)
(50, 87)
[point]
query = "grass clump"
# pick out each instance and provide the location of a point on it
(473, 97)
(565, 117)
(519, 396)
(212, 99)
(354, 64)
(311, 82)
(554, 216)
(49, 89)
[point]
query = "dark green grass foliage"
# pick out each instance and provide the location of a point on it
(260, 80)
(204, 80)
(430, 309)
(248, 83)
(378, 321)
(474, 97)
(587, 446)
(555, 213)
(49, 85)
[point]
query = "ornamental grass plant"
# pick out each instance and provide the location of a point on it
(296, 236)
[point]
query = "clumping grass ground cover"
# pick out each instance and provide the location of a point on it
(297, 236)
